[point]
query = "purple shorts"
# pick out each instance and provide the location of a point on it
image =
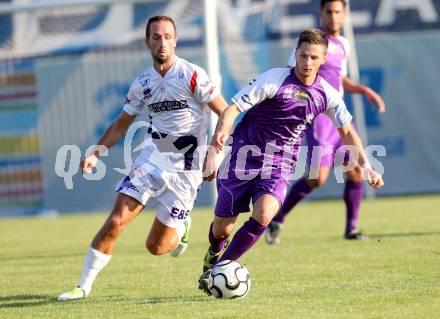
(323, 133)
(235, 195)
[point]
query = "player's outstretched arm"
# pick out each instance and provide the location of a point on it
(111, 136)
(350, 137)
(373, 98)
(210, 164)
(224, 126)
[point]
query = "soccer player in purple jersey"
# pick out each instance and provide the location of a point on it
(324, 134)
(281, 104)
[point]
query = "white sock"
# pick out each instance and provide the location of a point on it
(95, 261)
(180, 229)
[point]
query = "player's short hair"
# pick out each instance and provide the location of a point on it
(313, 36)
(156, 19)
(323, 2)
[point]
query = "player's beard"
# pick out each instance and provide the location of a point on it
(161, 59)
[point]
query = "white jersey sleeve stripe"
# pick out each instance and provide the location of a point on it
(265, 86)
(202, 87)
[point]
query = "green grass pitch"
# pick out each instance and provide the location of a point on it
(313, 273)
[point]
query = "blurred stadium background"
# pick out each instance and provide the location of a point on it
(65, 67)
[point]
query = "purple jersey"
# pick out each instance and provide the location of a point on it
(279, 110)
(323, 132)
(335, 66)
(266, 142)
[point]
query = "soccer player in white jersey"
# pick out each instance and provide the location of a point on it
(324, 134)
(177, 96)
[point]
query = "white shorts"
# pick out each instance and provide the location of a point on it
(175, 191)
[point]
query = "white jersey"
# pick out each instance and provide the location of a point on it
(179, 116)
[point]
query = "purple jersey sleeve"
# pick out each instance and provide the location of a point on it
(344, 62)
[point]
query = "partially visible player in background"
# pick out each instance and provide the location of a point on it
(324, 134)
(281, 104)
(177, 96)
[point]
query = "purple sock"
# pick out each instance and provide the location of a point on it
(243, 239)
(216, 244)
(353, 194)
(300, 190)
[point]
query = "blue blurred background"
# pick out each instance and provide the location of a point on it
(64, 73)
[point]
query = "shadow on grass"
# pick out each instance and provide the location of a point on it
(152, 300)
(22, 301)
(174, 299)
(409, 234)
(18, 301)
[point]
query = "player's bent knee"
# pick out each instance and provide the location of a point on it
(159, 247)
(155, 248)
(318, 182)
(221, 235)
(115, 226)
(222, 231)
(266, 221)
(263, 219)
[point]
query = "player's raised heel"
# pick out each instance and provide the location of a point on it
(183, 244)
(273, 232)
(210, 258)
(204, 282)
(73, 294)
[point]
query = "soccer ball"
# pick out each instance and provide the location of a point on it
(229, 279)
